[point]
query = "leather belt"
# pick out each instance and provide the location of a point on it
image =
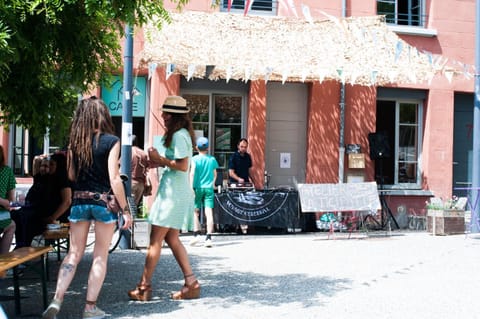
(91, 195)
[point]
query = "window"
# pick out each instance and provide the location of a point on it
(258, 6)
(401, 120)
(402, 12)
(218, 117)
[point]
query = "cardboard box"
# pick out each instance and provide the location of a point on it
(356, 160)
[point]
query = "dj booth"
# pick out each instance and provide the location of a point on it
(276, 208)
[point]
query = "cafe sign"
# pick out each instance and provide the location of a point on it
(112, 95)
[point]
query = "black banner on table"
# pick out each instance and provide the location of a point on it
(278, 209)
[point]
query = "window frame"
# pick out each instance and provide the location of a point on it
(420, 22)
(253, 10)
(212, 124)
(419, 140)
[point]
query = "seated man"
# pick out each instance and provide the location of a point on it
(47, 201)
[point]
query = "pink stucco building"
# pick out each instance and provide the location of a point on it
(427, 125)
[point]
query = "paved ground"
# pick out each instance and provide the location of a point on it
(404, 275)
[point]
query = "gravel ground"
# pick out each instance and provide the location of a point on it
(307, 275)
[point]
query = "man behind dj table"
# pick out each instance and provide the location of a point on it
(239, 169)
(240, 164)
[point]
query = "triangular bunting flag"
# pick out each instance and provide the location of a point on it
(228, 73)
(248, 72)
(398, 50)
(306, 13)
(284, 76)
(449, 75)
(248, 6)
(169, 70)
(151, 68)
(190, 71)
(373, 77)
(268, 72)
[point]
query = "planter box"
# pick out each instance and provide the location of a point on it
(445, 222)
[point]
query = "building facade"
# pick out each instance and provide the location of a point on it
(301, 131)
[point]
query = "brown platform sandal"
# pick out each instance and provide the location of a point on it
(141, 293)
(191, 291)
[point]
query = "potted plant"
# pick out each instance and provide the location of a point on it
(446, 217)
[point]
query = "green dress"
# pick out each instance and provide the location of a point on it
(7, 183)
(174, 202)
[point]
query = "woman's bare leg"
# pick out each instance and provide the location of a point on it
(98, 270)
(173, 240)
(157, 235)
(78, 240)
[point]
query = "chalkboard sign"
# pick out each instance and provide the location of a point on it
(339, 197)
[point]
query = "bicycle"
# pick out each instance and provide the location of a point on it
(118, 233)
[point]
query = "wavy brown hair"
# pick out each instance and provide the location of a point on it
(2, 157)
(91, 118)
(178, 121)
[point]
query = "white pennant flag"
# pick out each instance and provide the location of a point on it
(392, 75)
(341, 74)
(151, 68)
(291, 5)
(248, 72)
(306, 13)
(268, 72)
(354, 76)
(321, 75)
(248, 7)
(304, 75)
(190, 71)
(228, 73)
(449, 75)
(169, 70)
(284, 76)
(373, 77)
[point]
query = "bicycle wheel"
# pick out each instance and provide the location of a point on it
(117, 236)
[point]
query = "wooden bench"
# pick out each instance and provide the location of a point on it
(58, 239)
(22, 255)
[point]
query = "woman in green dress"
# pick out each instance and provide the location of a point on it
(173, 204)
(7, 195)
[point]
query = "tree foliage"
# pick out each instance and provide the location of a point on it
(52, 50)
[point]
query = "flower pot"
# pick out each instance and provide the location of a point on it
(446, 221)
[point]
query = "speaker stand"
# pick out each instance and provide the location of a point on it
(386, 213)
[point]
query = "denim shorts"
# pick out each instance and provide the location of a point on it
(88, 212)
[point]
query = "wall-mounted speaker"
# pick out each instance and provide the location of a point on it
(379, 146)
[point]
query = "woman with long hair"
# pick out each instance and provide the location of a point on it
(173, 204)
(93, 167)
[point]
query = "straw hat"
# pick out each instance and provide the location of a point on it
(175, 104)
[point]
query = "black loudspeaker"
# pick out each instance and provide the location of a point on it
(379, 147)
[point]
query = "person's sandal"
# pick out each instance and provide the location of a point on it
(191, 291)
(141, 293)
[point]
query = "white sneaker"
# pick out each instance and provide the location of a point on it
(208, 243)
(52, 310)
(195, 240)
(95, 313)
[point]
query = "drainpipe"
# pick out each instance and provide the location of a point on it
(476, 131)
(341, 149)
